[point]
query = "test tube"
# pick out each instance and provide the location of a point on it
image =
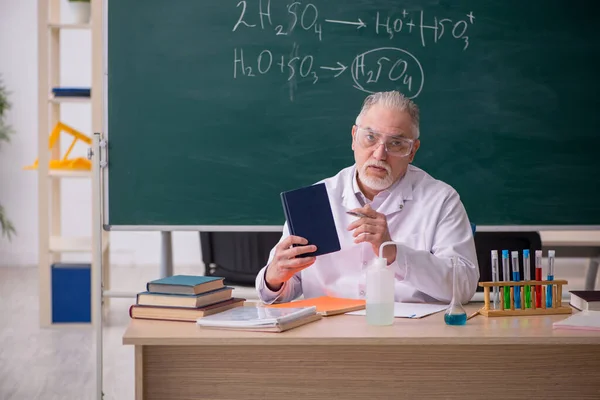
(506, 278)
(516, 278)
(538, 277)
(550, 278)
(527, 277)
(495, 278)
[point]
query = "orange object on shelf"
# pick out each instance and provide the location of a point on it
(66, 163)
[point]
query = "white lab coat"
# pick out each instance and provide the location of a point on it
(424, 215)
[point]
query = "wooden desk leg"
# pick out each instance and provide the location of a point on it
(139, 373)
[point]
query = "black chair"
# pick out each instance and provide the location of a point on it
(485, 242)
(236, 256)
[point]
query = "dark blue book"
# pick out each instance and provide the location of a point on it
(308, 214)
(71, 92)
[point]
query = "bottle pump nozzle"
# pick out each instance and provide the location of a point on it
(381, 249)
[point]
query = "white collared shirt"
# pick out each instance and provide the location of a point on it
(425, 218)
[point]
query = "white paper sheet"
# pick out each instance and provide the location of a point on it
(585, 320)
(410, 310)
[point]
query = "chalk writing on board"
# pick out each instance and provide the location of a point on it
(387, 62)
(339, 68)
(305, 16)
(370, 70)
(289, 66)
(359, 24)
(457, 29)
(431, 28)
(380, 66)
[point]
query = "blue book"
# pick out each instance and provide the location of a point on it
(71, 92)
(308, 214)
(185, 284)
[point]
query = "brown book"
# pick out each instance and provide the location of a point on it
(182, 313)
(585, 300)
(184, 300)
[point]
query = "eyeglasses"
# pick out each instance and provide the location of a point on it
(398, 146)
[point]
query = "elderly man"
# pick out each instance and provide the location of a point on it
(401, 203)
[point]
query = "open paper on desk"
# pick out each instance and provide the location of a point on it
(411, 310)
(588, 320)
(257, 318)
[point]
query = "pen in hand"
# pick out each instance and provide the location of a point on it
(357, 214)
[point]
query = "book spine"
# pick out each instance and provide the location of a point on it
(287, 214)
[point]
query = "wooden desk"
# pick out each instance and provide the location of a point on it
(341, 357)
(580, 244)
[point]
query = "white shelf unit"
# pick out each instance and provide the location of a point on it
(52, 244)
(52, 25)
(57, 173)
(66, 244)
(65, 99)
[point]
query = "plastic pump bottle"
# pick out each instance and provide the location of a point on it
(380, 291)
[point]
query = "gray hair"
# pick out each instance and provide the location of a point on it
(395, 100)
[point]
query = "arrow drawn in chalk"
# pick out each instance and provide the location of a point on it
(341, 68)
(360, 23)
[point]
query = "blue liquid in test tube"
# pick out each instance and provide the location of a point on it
(516, 278)
(551, 255)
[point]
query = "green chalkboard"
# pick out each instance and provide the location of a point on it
(215, 107)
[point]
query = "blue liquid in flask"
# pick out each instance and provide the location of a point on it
(455, 319)
(455, 314)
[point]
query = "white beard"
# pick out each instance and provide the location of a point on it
(375, 183)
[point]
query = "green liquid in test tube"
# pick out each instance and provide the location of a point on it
(506, 278)
(527, 277)
(516, 278)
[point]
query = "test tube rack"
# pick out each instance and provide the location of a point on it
(511, 310)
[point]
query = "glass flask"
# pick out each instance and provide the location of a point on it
(455, 314)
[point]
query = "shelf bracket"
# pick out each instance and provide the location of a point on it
(103, 152)
(103, 149)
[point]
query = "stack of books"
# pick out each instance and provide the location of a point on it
(184, 298)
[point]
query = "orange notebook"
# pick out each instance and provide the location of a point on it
(326, 305)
